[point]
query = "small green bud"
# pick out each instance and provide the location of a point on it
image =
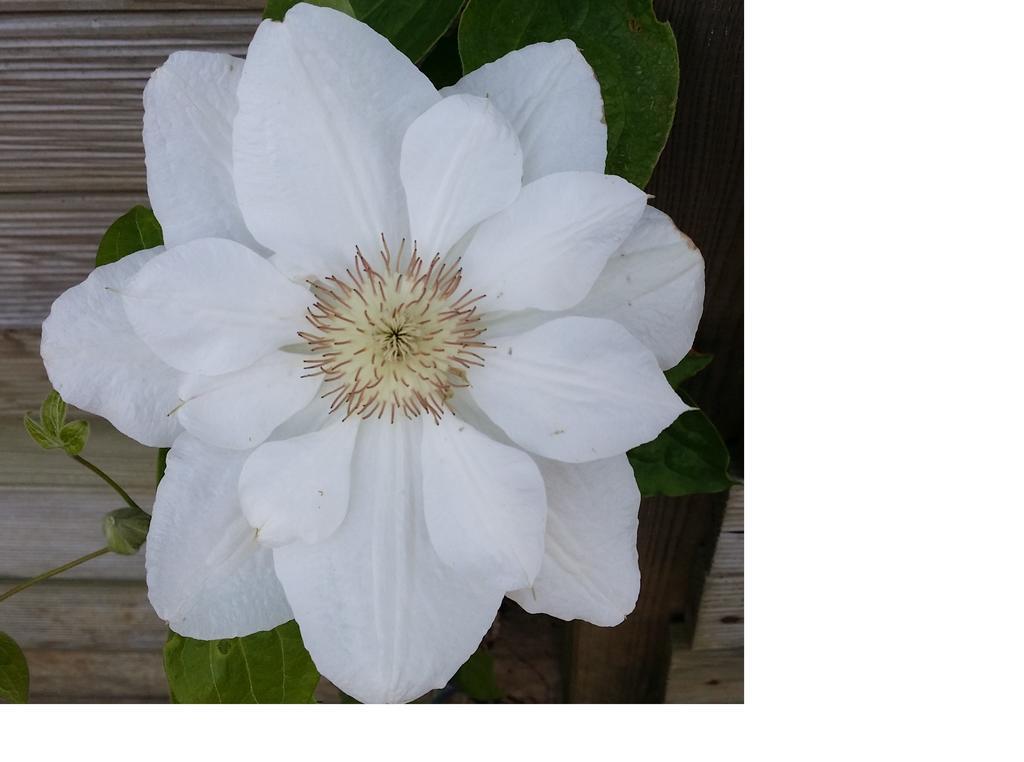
(126, 530)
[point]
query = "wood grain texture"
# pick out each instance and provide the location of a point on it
(87, 676)
(106, 6)
(704, 677)
(719, 620)
(44, 528)
(23, 464)
(699, 183)
(84, 615)
(629, 663)
(71, 88)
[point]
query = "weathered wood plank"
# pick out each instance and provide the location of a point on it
(733, 519)
(719, 620)
(527, 651)
(81, 75)
(95, 616)
(699, 183)
(728, 554)
(44, 528)
(96, 676)
(23, 383)
(629, 663)
(48, 244)
(52, 6)
(728, 557)
(704, 677)
(23, 464)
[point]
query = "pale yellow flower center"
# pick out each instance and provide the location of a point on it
(395, 339)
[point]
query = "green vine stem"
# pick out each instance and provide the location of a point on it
(116, 487)
(53, 572)
(88, 556)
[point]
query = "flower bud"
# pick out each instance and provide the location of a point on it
(126, 530)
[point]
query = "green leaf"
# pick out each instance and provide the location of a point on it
(687, 458)
(73, 436)
(413, 26)
(51, 432)
(161, 462)
(442, 65)
(277, 8)
(126, 530)
(43, 438)
(633, 54)
(134, 231)
(269, 667)
(687, 368)
(53, 412)
(476, 677)
(13, 671)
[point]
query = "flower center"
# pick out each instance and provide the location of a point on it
(395, 339)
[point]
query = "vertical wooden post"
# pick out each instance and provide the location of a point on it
(699, 183)
(629, 663)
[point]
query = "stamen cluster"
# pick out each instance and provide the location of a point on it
(393, 339)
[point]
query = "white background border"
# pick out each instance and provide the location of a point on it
(884, 291)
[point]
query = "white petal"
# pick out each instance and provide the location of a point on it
(484, 504)
(323, 104)
(97, 363)
(546, 250)
(382, 616)
(461, 163)
(590, 568)
(208, 578)
(190, 106)
(239, 410)
(575, 389)
(550, 94)
(312, 417)
(654, 286)
(298, 489)
(213, 306)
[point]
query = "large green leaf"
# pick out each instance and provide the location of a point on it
(270, 667)
(633, 54)
(133, 231)
(13, 671)
(413, 26)
(687, 458)
(443, 65)
(688, 367)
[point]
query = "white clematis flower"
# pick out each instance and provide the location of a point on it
(399, 341)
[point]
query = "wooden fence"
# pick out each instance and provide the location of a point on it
(71, 79)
